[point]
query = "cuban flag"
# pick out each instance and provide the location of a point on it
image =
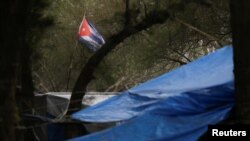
(89, 36)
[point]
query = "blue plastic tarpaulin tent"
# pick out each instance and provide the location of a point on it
(174, 106)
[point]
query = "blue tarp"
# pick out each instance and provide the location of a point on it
(175, 106)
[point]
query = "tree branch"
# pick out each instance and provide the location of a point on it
(182, 55)
(114, 86)
(127, 22)
(86, 74)
(176, 60)
(221, 43)
(50, 78)
(145, 8)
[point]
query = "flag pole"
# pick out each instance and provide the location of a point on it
(72, 55)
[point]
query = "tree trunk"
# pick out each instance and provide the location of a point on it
(13, 29)
(25, 95)
(240, 21)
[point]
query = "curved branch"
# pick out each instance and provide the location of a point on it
(87, 72)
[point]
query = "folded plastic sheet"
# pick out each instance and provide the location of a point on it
(175, 106)
(212, 70)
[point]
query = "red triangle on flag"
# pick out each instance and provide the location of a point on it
(84, 29)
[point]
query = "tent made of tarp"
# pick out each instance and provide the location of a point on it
(57, 102)
(53, 106)
(175, 106)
